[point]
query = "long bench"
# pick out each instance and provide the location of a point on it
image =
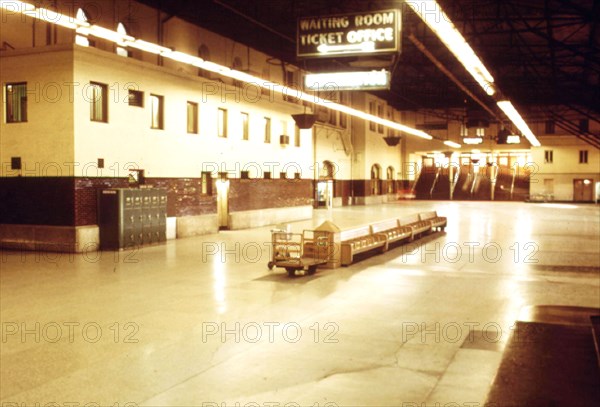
(418, 226)
(437, 222)
(380, 234)
(393, 230)
(360, 240)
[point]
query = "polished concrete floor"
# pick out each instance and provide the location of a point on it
(203, 322)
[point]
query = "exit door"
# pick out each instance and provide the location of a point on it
(583, 190)
(223, 203)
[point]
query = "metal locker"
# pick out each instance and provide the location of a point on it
(131, 217)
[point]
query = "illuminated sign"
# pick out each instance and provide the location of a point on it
(348, 80)
(349, 34)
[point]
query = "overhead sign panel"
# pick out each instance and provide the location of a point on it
(374, 32)
(370, 80)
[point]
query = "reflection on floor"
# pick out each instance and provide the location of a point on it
(203, 322)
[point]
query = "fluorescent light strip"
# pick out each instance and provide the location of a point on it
(452, 144)
(433, 15)
(514, 116)
(125, 40)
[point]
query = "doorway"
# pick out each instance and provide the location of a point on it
(583, 190)
(325, 194)
(223, 202)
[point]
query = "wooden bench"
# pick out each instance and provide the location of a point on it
(392, 229)
(360, 240)
(417, 225)
(437, 222)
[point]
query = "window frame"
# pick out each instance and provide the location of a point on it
(222, 122)
(194, 116)
(138, 95)
(160, 121)
(267, 129)
(245, 121)
(104, 100)
(23, 111)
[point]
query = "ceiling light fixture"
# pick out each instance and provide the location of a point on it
(514, 116)
(435, 18)
(472, 140)
(433, 15)
(452, 144)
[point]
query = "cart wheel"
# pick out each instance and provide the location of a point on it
(270, 265)
(312, 270)
(291, 271)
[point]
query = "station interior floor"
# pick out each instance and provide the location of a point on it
(203, 322)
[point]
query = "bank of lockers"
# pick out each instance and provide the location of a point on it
(131, 217)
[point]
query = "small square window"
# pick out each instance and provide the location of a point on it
(15, 163)
(100, 163)
(245, 175)
(267, 175)
(135, 98)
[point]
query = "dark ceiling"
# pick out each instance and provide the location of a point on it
(544, 54)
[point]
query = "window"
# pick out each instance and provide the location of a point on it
(15, 163)
(135, 98)
(122, 51)
(98, 102)
(297, 137)
(380, 114)
(292, 87)
(391, 187)
(548, 156)
(267, 129)
(204, 53)
(584, 125)
(245, 126)
(157, 105)
(375, 179)
(550, 127)
(192, 118)
(16, 102)
(583, 157)
(222, 123)
(333, 117)
(82, 40)
(267, 174)
(245, 174)
(206, 183)
(372, 110)
(237, 65)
